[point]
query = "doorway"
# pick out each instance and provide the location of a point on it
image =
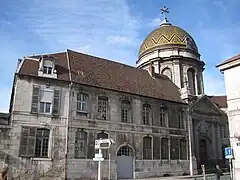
(124, 162)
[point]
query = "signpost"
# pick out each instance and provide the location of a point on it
(229, 156)
(101, 144)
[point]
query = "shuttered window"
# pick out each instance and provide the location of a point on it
(34, 142)
(45, 101)
(56, 102)
(35, 99)
(27, 143)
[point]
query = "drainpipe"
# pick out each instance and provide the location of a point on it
(67, 131)
(190, 141)
(67, 120)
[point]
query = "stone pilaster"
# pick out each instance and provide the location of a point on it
(214, 150)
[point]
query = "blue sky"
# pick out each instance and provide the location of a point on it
(113, 29)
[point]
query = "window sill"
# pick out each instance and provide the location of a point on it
(41, 159)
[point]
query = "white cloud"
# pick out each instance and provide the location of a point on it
(5, 94)
(155, 22)
(213, 83)
(118, 40)
(95, 23)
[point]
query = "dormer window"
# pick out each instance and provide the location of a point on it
(47, 67)
(47, 70)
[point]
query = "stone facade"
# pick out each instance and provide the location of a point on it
(230, 68)
(131, 134)
(160, 120)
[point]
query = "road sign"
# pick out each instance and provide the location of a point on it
(98, 155)
(98, 159)
(228, 153)
(102, 143)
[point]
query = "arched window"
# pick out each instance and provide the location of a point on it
(125, 111)
(81, 144)
(191, 80)
(147, 147)
(167, 72)
(146, 111)
(103, 135)
(125, 151)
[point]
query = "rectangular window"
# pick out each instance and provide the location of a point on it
(164, 148)
(174, 141)
(46, 98)
(82, 102)
(163, 117)
(125, 111)
(146, 114)
(42, 140)
(45, 107)
(147, 147)
(156, 147)
(183, 149)
(34, 142)
(181, 119)
(81, 144)
(102, 107)
(47, 70)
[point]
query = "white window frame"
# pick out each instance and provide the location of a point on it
(102, 107)
(47, 69)
(163, 114)
(45, 103)
(146, 114)
(81, 102)
(45, 107)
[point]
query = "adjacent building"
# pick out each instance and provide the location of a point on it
(157, 113)
(231, 69)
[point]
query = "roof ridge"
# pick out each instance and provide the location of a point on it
(104, 59)
(42, 54)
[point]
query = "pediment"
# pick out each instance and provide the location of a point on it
(205, 106)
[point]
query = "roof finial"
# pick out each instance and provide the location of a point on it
(164, 11)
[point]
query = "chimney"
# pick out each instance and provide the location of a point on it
(151, 69)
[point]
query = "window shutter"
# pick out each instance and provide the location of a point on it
(27, 142)
(35, 99)
(56, 102)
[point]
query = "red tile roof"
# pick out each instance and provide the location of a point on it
(99, 72)
(220, 101)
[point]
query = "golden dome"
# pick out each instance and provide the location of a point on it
(167, 35)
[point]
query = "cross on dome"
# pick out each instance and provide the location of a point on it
(164, 11)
